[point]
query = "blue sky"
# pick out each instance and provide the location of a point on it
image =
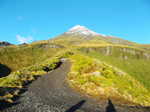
(32, 20)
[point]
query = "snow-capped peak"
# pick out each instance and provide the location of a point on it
(81, 30)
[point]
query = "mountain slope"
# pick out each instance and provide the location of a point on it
(17, 57)
(120, 55)
(85, 35)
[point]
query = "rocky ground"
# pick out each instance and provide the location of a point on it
(50, 93)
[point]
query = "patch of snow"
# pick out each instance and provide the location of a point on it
(82, 30)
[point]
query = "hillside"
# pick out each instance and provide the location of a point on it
(17, 57)
(79, 34)
(102, 67)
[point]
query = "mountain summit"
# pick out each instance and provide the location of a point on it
(84, 33)
(81, 30)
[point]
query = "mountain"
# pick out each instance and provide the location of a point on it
(101, 66)
(81, 30)
(82, 34)
(3, 43)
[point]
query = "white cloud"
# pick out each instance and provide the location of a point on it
(22, 39)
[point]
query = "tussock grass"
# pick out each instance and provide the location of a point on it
(18, 78)
(138, 68)
(17, 57)
(102, 80)
(26, 62)
(89, 74)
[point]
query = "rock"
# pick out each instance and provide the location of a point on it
(63, 59)
(97, 73)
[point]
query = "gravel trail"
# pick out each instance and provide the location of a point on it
(50, 93)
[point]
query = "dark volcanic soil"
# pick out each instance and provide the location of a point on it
(50, 93)
(4, 70)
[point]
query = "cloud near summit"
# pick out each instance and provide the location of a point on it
(22, 39)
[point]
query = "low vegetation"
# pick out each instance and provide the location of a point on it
(135, 64)
(101, 80)
(21, 77)
(99, 68)
(18, 57)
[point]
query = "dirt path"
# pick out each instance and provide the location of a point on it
(50, 93)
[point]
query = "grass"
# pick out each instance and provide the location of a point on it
(102, 80)
(138, 68)
(17, 57)
(21, 77)
(17, 78)
(12, 83)
(99, 68)
(26, 63)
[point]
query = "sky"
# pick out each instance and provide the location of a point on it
(33, 20)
